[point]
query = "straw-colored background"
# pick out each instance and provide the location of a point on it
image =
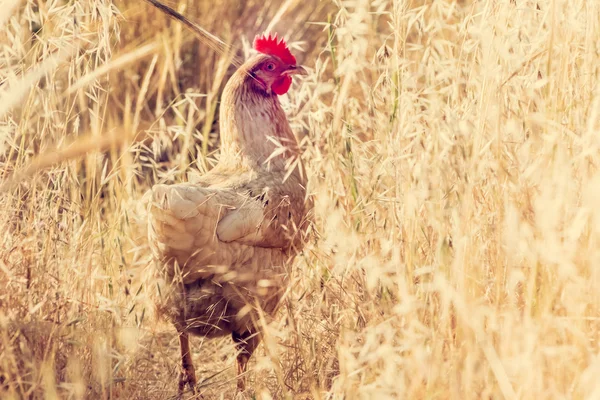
(453, 151)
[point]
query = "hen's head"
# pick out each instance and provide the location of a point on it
(273, 68)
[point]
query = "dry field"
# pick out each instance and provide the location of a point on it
(453, 150)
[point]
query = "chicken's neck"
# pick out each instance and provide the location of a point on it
(253, 125)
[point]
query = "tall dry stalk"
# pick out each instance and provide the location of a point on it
(452, 150)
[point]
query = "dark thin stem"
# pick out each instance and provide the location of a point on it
(211, 40)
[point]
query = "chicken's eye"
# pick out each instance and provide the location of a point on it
(270, 66)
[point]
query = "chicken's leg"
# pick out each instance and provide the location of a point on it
(246, 343)
(187, 374)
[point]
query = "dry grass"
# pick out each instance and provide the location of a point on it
(453, 152)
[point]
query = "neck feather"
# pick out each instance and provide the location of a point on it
(252, 122)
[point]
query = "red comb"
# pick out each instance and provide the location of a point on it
(272, 46)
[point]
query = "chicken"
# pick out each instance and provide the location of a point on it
(223, 244)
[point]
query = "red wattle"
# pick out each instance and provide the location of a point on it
(282, 85)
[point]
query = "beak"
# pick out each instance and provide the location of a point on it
(295, 70)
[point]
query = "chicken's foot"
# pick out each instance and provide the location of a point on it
(245, 343)
(187, 375)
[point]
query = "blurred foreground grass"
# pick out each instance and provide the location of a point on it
(453, 153)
